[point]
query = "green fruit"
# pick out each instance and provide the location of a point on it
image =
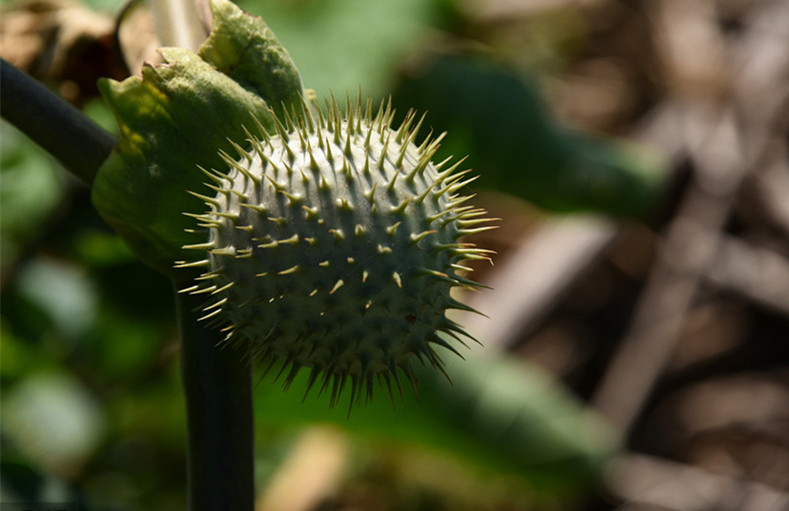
(334, 244)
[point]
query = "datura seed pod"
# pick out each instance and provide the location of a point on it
(333, 245)
(329, 240)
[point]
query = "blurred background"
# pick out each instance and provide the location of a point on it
(635, 351)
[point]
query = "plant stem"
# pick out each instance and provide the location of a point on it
(66, 133)
(218, 391)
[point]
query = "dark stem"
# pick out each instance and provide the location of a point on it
(218, 390)
(77, 142)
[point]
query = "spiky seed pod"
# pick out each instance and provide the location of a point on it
(334, 244)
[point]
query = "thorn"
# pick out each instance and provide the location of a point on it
(389, 114)
(343, 204)
(370, 194)
(337, 121)
(455, 304)
(254, 207)
(281, 131)
(475, 230)
(203, 290)
(390, 186)
(434, 144)
(277, 220)
(418, 127)
(384, 150)
(441, 342)
(224, 251)
(292, 269)
(310, 213)
(456, 184)
(239, 195)
(215, 176)
(422, 196)
(277, 187)
(205, 217)
(223, 288)
(418, 169)
(208, 200)
(231, 162)
(192, 264)
(199, 246)
(290, 241)
(314, 373)
(349, 110)
(403, 129)
(229, 216)
(209, 275)
(310, 124)
(291, 153)
(304, 141)
(400, 209)
(210, 315)
(337, 285)
(220, 303)
(416, 238)
(346, 169)
(264, 134)
(392, 228)
(401, 156)
(368, 107)
(313, 163)
(450, 326)
(292, 197)
(347, 149)
(425, 142)
(240, 151)
(369, 135)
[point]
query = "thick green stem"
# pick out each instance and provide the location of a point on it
(218, 391)
(66, 133)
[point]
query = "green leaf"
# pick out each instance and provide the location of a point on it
(341, 45)
(499, 119)
(499, 414)
(179, 116)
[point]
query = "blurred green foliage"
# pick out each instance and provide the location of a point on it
(344, 45)
(30, 189)
(92, 409)
(498, 118)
